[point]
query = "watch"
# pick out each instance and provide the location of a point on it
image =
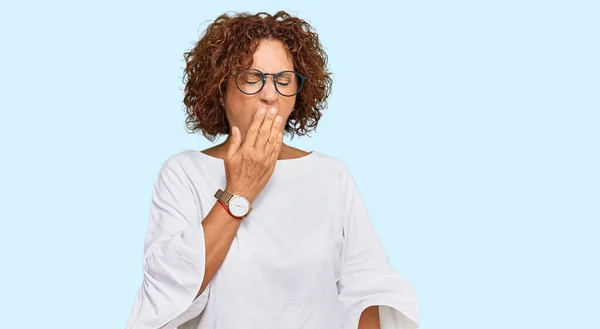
(236, 204)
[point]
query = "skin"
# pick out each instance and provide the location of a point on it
(250, 152)
(270, 57)
(369, 319)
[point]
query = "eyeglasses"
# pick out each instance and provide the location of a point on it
(252, 81)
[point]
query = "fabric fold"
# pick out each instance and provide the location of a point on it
(366, 276)
(174, 255)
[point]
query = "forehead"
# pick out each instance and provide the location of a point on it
(272, 57)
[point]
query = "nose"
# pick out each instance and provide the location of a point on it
(268, 95)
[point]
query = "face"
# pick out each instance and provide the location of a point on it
(270, 57)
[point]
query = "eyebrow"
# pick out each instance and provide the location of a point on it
(256, 68)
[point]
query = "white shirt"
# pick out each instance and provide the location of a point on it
(307, 255)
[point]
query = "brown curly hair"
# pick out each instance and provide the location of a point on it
(228, 46)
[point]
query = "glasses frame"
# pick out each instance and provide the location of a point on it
(275, 75)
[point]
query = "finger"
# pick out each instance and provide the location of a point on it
(252, 133)
(236, 141)
(277, 148)
(265, 129)
(274, 135)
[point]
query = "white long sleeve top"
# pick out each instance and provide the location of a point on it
(307, 256)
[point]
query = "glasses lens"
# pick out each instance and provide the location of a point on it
(249, 81)
(288, 83)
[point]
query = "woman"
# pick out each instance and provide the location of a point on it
(253, 233)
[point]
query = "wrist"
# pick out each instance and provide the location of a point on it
(235, 202)
(223, 206)
(240, 191)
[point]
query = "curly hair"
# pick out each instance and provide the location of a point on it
(228, 46)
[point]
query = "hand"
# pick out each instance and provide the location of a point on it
(250, 164)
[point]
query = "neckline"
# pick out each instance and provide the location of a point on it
(310, 154)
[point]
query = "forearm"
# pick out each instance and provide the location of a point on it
(369, 319)
(220, 229)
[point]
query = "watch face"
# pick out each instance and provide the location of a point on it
(238, 205)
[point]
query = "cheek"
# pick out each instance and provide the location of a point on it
(286, 108)
(239, 115)
(239, 109)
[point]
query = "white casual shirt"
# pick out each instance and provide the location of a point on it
(307, 256)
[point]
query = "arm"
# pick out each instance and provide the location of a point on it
(220, 229)
(181, 255)
(369, 318)
(373, 295)
(183, 251)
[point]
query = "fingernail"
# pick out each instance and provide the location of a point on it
(273, 110)
(278, 119)
(262, 111)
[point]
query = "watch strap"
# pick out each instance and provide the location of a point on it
(226, 208)
(224, 196)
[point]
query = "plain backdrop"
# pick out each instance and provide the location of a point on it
(471, 127)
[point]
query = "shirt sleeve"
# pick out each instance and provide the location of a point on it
(174, 255)
(366, 277)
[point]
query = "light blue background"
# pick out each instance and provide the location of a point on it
(471, 127)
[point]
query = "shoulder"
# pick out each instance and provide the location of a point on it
(179, 159)
(335, 179)
(340, 171)
(330, 165)
(185, 162)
